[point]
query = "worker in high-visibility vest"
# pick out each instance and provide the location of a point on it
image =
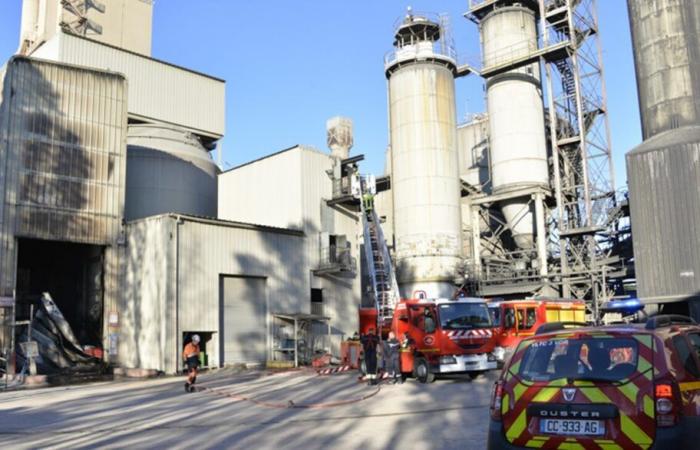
(190, 356)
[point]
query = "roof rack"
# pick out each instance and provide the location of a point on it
(666, 320)
(558, 326)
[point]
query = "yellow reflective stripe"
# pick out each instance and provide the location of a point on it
(644, 339)
(545, 394)
(628, 426)
(518, 391)
(535, 443)
(505, 403)
(648, 406)
(690, 386)
(633, 431)
(643, 366)
(515, 367)
(517, 428)
(571, 446)
(630, 391)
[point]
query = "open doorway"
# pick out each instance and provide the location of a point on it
(72, 274)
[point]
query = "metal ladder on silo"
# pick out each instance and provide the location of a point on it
(385, 288)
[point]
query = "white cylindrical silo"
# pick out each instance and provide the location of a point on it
(168, 170)
(425, 171)
(516, 115)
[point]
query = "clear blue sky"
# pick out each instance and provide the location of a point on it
(291, 65)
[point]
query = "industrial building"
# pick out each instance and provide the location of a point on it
(112, 203)
(108, 181)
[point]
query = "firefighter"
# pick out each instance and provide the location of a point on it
(390, 352)
(190, 355)
(370, 341)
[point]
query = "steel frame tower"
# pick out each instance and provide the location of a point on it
(585, 217)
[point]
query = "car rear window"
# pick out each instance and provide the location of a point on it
(595, 359)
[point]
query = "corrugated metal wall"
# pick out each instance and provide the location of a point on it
(153, 298)
(147, 301)
(208, 251)
(157, 91)
(290, 189)
(267, 191)
(63, 152)
(664, 180)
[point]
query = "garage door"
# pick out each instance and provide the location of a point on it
(243, 325)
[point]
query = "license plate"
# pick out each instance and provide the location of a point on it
(572, 427)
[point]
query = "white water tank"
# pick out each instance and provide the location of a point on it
(516, 115)
(424, 167)
(168, 170)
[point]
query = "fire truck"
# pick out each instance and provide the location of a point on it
(439, 336)
(515, 320)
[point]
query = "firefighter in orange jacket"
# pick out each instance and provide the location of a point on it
(191, 357)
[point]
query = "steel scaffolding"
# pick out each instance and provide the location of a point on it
(582, 222)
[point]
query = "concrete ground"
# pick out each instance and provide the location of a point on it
(251, 410)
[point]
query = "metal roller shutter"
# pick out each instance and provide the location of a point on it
(243, 325)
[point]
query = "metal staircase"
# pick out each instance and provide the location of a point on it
(385, 289)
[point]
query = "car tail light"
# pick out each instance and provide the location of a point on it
(668, 407)
(496, 399)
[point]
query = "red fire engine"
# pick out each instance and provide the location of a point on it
(516, 319)
(438, 336)
(444, 336)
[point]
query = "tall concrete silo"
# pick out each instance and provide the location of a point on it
(425, 170)
(666, 43)
(516, 115)
(664, 171)
(168, 170)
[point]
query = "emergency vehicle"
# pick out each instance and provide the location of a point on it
(438, 336)
(514, 320)
(633, 386)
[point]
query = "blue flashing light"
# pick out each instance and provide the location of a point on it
(627, 306)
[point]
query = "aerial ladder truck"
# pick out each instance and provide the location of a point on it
(438, 336)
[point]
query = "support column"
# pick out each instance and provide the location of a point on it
(476, 238)
(541, 234)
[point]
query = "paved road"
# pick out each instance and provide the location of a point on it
(251, 410)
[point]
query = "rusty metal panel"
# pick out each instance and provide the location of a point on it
(664, 175)
(65, 136)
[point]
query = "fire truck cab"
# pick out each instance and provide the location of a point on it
(515, 320)
(444, 336)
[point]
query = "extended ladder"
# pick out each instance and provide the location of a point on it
(384, 288)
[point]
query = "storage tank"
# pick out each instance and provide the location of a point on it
(664, 171)
(473, 151)
(516, 115)
(664, 175)
(666, 42)
(425, 171)
(168, 170)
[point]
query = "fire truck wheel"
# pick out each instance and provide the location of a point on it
(422, 371)
(474, 374)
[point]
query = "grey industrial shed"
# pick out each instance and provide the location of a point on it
(184, 274)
